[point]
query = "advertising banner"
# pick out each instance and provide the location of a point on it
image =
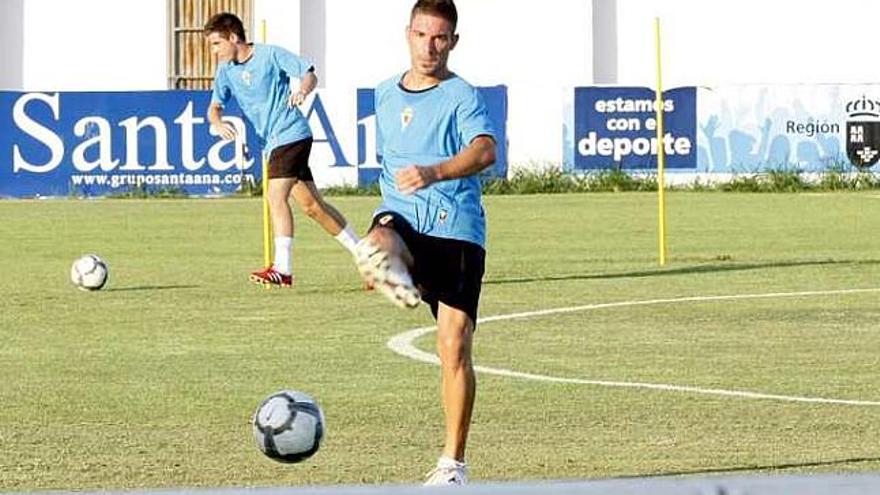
(616, 127)
(812, 128)
(56, 144)
(725, 130)
(105, 143)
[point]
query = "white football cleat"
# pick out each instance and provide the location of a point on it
(387, 275)
(447, 472)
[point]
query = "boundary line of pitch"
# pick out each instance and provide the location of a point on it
(402, 344)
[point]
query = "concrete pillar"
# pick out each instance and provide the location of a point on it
(313, 36)
(12, 41)
(605, 41)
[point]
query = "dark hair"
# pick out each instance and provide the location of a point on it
(440, 8)
(225, 24)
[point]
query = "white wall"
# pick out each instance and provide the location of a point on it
(282, 23)
(106, 45)
(94, 45)
(539, 50)
(535, 51)
(749, 41)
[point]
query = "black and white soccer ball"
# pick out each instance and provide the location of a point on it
(89, 272)
(289, 426)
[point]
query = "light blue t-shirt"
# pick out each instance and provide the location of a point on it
(261, 87)
(425, 128)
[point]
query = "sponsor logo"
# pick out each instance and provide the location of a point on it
(618, 127)
(45, 140)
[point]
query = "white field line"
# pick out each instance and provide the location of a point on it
(403, 344)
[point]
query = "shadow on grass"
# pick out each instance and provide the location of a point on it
(685, 270)
(151, 287)
(757, 467)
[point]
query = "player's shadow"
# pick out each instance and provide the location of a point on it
(719, 267)
(759, 467)
(152, 287)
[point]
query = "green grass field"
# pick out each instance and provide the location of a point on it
(151, 382)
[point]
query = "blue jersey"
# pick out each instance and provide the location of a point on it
(425, 128)
(261, 87)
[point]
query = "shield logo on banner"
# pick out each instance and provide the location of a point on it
(863, 143)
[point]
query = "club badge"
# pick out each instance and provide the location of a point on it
(406, 117)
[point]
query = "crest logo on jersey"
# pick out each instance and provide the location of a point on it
(406, 117)
(246, 78)
(863, 134)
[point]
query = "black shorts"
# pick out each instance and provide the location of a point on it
(445, 270)
(291, 161)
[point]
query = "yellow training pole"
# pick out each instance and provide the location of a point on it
(267, 222)
(661, 152)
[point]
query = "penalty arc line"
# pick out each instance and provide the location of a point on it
(402, 344)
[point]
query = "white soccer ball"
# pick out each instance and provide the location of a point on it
(289, 426)
(89, 272)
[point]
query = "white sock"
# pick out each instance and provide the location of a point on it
(347, 238)
(283, 262)
(449, 462)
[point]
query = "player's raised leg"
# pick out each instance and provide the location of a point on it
(383, 260)
(307, 196)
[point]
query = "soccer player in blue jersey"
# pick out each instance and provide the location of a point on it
(428, 235)
(259, 78)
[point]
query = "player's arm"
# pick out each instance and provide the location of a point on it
(221, 93)
(296, 67)
(306, 85)
(215, 117)
(477, 156)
